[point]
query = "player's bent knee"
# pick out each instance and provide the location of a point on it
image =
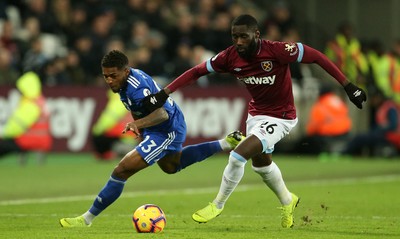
(169, 169)
(258, 170)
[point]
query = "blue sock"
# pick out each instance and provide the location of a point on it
(196, 153)
(111, 191)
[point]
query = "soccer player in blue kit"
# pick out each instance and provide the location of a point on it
(163, 132)
(263, 67)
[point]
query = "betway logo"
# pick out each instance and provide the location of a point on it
(252, 80)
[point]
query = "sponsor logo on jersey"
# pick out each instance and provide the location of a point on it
(266, 65)
(252, 80)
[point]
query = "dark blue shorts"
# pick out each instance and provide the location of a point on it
(156, 145)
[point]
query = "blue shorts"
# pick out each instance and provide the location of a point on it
(156, 145)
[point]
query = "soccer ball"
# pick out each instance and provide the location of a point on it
(149, 218)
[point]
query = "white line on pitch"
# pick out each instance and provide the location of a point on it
(192, 191)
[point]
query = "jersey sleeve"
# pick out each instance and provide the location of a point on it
(188, 77)
(136, 94)
(218, 63)
(140, 85)
(311, 55)
(287, 52)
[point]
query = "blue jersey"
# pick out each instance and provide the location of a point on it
(159, 140)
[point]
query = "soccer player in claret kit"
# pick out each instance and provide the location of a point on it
(263, 66)
(163, 131)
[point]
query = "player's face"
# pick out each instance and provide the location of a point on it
(245, 40)
(115, 78)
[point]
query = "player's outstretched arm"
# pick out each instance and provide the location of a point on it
(157, 100)
(355, 94)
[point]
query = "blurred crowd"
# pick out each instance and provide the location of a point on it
(65, 39)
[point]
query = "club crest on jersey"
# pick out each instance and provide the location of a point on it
(266, 66)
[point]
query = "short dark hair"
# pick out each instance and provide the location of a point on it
(247, 20)
(115, 58)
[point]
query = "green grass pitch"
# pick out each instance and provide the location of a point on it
(358, 198)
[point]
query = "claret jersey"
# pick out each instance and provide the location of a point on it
(266, 76)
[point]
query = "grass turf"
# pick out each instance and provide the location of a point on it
(339, 199)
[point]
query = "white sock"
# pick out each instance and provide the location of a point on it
(272, 177)
(233, 173)
(89, 217)
(224, 145)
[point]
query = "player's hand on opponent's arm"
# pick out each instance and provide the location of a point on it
(131, 126)
(355, 94)
(155, 101)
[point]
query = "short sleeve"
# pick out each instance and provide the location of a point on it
(218, 63)
(287, 52)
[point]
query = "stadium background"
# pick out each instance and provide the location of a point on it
(163, 38)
